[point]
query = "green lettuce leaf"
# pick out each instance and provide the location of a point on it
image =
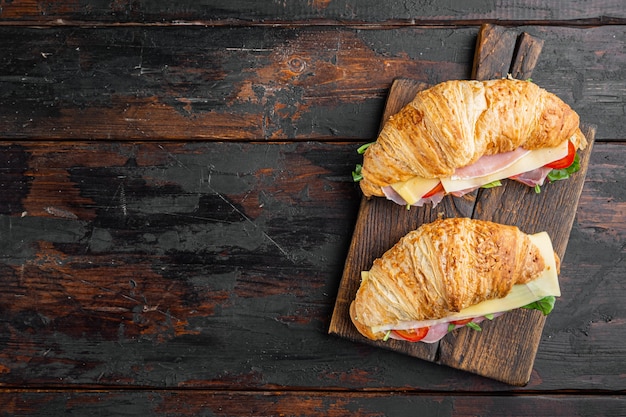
(361, 150)
(492, 184)
(356, 174)
(545, 305)
(474, 326)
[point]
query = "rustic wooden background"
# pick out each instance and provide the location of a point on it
(177, 205)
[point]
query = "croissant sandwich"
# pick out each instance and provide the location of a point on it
(451, 273)
(461, 135)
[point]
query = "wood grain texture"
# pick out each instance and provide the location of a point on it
(165, 249)
(495, 49)
(315, 12)
(501, 51)
(155, 277)
(229, 83)
(264, 83)
(527, 53)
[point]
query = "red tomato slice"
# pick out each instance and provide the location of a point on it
(412, 335)
(462, 322)
(435, 190)
(565, 161)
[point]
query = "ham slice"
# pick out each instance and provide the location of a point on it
(392, 195)
(489, 163)
(433, 199)
(487, 168)
(461, 193)
(436, 333)
(534, 177)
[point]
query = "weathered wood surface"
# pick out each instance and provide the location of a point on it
(245, 12)
(180, 403)
(216, 265)
(267, 83)
(176, 205)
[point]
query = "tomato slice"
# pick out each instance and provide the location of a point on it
(462, 322)
(565, 161)
(412, 335)
(435, 190)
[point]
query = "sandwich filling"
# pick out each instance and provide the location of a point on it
(526, 166)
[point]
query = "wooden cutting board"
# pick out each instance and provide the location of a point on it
(506, 347)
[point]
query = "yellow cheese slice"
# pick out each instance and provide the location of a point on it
(412, 190)
(547, 284)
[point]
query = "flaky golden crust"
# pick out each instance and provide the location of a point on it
(442, 268)
(453, 124)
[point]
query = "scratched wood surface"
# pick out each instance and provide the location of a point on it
(166, 264)
(266, 83)
(244, 12)
(176, 206)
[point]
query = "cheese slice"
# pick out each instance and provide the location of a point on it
(547, 284)
(413, 189)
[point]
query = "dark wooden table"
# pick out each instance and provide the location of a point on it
(176, 206)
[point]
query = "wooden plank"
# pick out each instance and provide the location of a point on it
(495, 48)
(145, 274)
(290, 12)
(242, 83)
(526, 56)
(501, 51)
(181, 403)
(265, 83)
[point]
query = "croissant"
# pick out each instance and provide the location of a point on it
(443, 268)
(453, 124)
